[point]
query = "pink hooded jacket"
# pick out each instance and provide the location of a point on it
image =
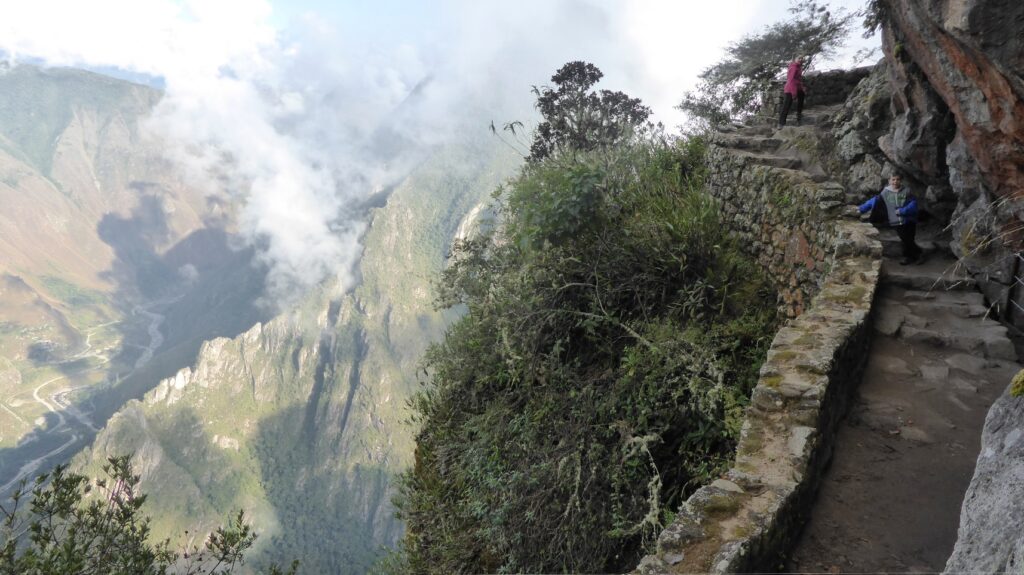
(794, 78)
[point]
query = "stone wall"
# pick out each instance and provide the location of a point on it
(822, 88)
(782, 218)
(746, 520)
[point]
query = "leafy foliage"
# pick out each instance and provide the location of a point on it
(70, 527)
(876, 14)
(576, 118)
(612, 338)
(739, 84)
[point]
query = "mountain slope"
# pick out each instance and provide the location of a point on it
(302, 420)
(101, 240)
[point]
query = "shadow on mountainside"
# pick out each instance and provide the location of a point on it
(334, 515)
(204, 286)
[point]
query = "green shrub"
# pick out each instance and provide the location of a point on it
(68, 525)
(612, 336)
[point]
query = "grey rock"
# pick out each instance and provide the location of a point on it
(890, 318)
(893, 365)
(966, 363)
(726, 485)
(850, 147)
(991, 533)
(935, 372)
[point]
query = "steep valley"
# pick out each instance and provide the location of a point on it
(129, 324)
(301, 421)
(107, 257)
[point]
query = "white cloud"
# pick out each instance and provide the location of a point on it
(313, 119)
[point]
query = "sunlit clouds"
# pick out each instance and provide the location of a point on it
(301, 118)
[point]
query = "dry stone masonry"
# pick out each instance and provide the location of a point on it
(826, 269)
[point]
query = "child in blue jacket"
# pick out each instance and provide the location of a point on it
(897, 207)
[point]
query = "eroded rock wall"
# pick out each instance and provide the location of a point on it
(955, 67)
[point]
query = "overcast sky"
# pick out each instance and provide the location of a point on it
(298, 92)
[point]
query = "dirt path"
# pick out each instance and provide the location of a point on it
(890, 502)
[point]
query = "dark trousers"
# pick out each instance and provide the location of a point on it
(787, 103)
(906, 233)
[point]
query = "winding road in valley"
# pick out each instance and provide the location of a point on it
(57, 402)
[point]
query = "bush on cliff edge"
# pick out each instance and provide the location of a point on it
(612, 335)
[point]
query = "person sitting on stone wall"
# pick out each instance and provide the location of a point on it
(794, 88)
(897, 207)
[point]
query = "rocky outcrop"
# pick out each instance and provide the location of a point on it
(990, 539)
(971, 53)
(857, 129)
(958, 98)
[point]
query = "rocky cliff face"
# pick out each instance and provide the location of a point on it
(955, 67)
(301, 420)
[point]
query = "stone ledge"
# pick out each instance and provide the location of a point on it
(746, 521)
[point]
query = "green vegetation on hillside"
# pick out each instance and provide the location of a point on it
(37, 104)
(613, 334)
(69, 524)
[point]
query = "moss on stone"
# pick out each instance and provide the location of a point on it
(721, 505)
(742, 531)
(806, 339)
(853, 296)
(751, 445)
(1017, 385)
(786, 355)
(772, 381)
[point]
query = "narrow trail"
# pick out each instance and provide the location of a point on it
(905, 454)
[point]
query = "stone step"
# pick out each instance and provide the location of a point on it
(753, 143)
(946, 325)
(960, 297)
(938, 273)
(807, 120)
(989, 343)
(770, 160)
(966, 311)
(755, 130)
(893, 247)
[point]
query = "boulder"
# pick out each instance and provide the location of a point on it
(991, 535)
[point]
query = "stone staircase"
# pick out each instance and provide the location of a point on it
(906, 453)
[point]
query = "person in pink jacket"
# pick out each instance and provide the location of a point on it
(794, 89)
